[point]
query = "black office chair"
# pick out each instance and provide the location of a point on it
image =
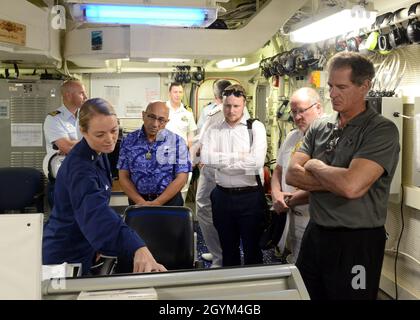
(168, 233)
(20, 189)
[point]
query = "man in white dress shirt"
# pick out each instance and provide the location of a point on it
(305, 107)
(181, 122)
(207, 183)
(237, 201)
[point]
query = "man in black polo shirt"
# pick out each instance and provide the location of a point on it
(347, 162)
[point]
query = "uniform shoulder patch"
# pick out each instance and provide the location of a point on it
(54, 113)
(213, 112)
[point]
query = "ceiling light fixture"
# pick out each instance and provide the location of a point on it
(148, 15)
(331, 23)
(230, 63)
(248, 67)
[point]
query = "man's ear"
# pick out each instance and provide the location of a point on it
(366, 84)
(319, 108)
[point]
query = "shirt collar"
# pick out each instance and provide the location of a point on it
(161, 136)
(66, 113)
(358, 121)
(181, 107)
(85, 151)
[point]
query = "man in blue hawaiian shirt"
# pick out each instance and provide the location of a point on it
(154, 162)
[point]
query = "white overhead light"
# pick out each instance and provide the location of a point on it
(248, 67)
(168, 60)
(230, 63)
(331, 23)
(142, 14)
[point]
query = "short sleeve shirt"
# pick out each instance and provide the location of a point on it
(204, 114)
(181, 121)
(369, 136)
(60, 124)
(169, 156)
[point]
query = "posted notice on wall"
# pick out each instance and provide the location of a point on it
(4, 109)
(26, 135)
(12, 32)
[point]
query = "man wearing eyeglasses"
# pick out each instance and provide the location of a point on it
(237, 204)
(305, 107)
(347, 163)
(154, 162)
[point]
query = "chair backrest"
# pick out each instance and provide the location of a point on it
(20, 188)
(167, 231)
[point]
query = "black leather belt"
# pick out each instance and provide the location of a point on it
(238, 189)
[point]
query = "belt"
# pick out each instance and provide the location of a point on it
(238, 189)
(149, 196)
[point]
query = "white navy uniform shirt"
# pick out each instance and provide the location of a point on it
(181, 121)
(205, 114)
(228, 150)
(60, 124)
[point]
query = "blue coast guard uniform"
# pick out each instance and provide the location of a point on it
(81, 222)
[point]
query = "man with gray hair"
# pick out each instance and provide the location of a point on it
(305, 107)
(347, 163)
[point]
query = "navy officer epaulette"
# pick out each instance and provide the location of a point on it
(54, 113)
(214, 111)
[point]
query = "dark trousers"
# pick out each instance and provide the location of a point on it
(341, 263)
(238, 217)
(175, 201)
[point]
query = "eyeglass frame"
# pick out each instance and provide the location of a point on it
(153, 117)
(302, 111)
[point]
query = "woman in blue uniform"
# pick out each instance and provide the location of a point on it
(81, 223)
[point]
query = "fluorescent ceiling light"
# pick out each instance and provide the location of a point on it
(332, 24)
(148, 15)
(168, 60)
(248, 67)
(230, 63)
